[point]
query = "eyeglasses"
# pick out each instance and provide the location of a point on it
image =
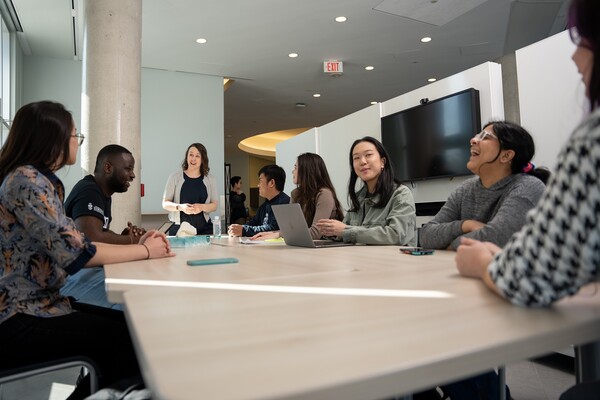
(80, 137)
(484, 135)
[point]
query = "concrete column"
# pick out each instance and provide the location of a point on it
(110, 104)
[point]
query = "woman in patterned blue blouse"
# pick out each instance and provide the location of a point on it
(39, 246)
(558, 250)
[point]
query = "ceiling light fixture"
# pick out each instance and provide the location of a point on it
(300, 105)
(426, 39)
(316, 95)
(431, 80)
(341, 19)
(373, 102)
(293, 55)
(369, 68)
(201, 40)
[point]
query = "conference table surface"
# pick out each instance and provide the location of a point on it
(360, 322)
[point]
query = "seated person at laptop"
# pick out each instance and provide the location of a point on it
(89, 205)
(383, 210)
(314, 192)
(271, 181)
(492, 205)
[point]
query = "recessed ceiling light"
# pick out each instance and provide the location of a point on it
(426, 39)
(373, 102)
(431, 80)
(369, 68)
(341, 19)
(201, 40)
(316, 95)
(293, 55)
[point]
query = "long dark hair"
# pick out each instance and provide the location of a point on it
(386, 183)
(204, 168)
(583, 23)
(514, 137)
(40, 135)
(312, 177)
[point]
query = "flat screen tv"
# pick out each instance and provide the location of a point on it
(431, 140)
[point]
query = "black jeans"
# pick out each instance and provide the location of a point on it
(96, 332)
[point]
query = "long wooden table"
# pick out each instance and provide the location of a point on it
(360, 322)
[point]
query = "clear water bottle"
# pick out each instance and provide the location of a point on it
(217, 227)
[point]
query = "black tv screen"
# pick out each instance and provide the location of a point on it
(431, 140)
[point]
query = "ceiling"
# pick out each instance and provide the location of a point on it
(249, 41)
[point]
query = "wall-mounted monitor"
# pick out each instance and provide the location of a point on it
(431, 140)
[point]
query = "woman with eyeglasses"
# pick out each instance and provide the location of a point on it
(492, 205)
(41, 246)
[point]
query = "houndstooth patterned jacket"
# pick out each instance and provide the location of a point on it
(558, 249)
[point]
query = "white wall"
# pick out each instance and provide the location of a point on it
(334, 139)
(487, 78)
(177, 110)
(551, 95)
(288, 150)
(56, 80)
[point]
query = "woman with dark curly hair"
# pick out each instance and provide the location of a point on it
(491, 206)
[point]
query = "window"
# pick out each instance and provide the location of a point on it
(5, 87)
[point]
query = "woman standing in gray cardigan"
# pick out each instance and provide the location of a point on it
(383, 210)
(492, 205)
(190, 195)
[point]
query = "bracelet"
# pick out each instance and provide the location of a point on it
(147, 250)
(177, 207)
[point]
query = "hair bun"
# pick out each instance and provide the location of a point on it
(528, 167)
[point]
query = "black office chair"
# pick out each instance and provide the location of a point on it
(87, 365)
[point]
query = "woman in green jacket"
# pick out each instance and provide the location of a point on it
(383, 210)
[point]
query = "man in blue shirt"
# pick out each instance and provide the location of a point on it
(271, 181)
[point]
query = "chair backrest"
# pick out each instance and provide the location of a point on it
(26, 371)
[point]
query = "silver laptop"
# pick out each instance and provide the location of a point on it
(294, 230)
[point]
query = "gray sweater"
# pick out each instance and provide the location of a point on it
(502, 207)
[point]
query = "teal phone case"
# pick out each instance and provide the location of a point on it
(212, 261)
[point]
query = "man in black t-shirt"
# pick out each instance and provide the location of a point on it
(89, 205)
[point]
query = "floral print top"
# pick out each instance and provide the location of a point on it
(39, 245)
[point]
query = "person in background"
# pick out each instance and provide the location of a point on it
(271, 181)
(41, 246)
(190, 195)
(557, 251)
(314, 192)
(492, 205)
(89, 205)
(237, 198)
(383, 210)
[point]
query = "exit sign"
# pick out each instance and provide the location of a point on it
(333, 67)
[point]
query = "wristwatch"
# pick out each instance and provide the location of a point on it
(177, 207)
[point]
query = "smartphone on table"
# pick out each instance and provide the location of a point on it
(416, 251)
